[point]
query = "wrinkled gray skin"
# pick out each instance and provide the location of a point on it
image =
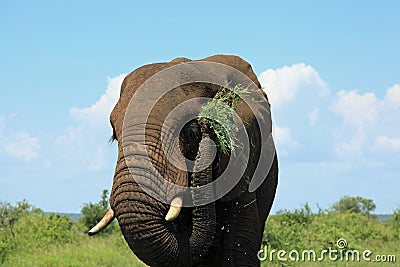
(227, 232)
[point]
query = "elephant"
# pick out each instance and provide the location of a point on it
(170, 221)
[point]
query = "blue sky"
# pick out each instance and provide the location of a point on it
(331, 70)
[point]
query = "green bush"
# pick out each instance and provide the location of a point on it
(44, 231)
(302, 230)
(9, 216)
(92, 213)
(23, 228)
(28, 237)
(354, 205)
(396, 222)
(289, 229)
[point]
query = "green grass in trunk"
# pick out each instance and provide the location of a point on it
(218, 114)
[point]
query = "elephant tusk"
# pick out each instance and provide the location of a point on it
(174, 210)
(106, 220)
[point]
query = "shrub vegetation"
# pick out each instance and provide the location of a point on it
(29, 237)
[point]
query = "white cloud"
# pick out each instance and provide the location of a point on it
(2, 123)
(283, 137)
(393, 95)
(23, 147)
(85, 145)
(356, 109)
(373, 120)
(296, 94)
(281, 85)
(96, 163)
(88, 138)
(313, 116)
(99, 112)
(352, 147)
(385, 143)
(69, 139)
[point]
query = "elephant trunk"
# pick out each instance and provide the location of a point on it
(155, 240)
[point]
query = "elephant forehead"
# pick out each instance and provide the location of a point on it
(136, 78)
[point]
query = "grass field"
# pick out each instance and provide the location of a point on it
(38, 239)
(108, 250)
(111, 250)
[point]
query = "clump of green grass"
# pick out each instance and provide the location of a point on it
(109, 250)
(218, 114)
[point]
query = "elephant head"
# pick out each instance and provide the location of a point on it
(168, 209)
